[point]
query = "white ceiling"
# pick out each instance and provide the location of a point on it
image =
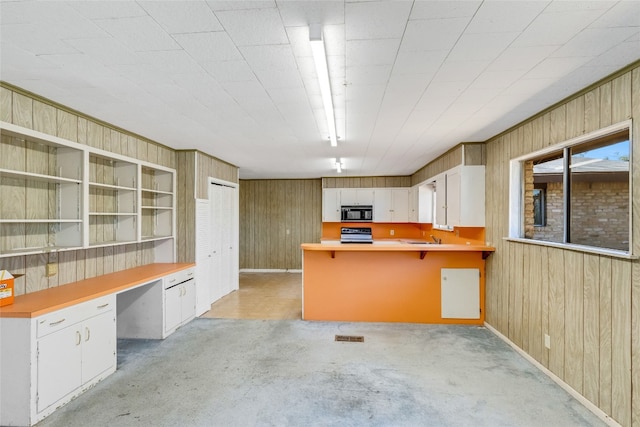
(235, 79)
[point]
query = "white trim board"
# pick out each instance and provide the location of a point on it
(268, 270)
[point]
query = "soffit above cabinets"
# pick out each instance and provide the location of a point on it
(236, 80)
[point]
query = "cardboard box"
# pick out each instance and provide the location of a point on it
(6, 288)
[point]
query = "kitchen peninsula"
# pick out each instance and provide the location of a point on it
(394, 281)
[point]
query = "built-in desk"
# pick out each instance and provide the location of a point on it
(59, 342)
(394, 282)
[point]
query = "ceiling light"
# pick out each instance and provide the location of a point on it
(338, 166)
(320, 59)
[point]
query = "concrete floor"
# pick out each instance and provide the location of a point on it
(221, 372)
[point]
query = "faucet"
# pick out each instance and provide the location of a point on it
(435, 239)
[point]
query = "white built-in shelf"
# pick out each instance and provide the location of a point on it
(99, 198)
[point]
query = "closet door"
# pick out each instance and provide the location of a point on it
(224, 239)
(204, 257)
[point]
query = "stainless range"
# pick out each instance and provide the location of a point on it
(356, 235)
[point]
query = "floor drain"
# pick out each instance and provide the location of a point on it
(350, 338)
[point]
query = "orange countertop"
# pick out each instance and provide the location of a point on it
(48, 300)
(387, 246)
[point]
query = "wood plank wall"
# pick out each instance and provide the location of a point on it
(276, 216)
(366, 182)
(30, 111)
(467, 153)
(194, 169)
(588, 304)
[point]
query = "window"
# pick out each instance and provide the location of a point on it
(577, 192)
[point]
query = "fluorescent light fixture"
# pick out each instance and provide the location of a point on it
(320, 59)
(338, 166)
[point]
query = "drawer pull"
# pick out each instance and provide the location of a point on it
(190, 274)
(78, 338)
(172, 280)
(87, 334)
(103, 306)
(58, 322)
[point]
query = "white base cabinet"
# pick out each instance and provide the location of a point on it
(179, 300)
(460, 293)
(62, 354)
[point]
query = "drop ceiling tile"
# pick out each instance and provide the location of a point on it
(419, 62)
(621, 14)
(170, 61)
(556, 28)
(376, 20)
(595, 41)
(278, 57)
(496, 79)
(372, 52)
(505, 17)
(368, 75)
(229, 71)
(444, 9)
(556, 68)
(182, 17)
(424, 35)
(139, 34)
(34, 39)
(108, 10)
(480, 47)
(521, 58)
(460, 71)
(208, 46)
(241, 4)
(253, 27)
(108, 50)
(279, 78)
(301, 14)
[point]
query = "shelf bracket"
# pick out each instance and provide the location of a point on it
(423, 254)
(333, 254)
(485, 254)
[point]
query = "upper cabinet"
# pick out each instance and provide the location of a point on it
(331, 205)
(457, 196)
(356, 196)
(60, 195)
(391, 205)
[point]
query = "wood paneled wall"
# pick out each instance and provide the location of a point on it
(276, 216)
(472, 153)
(367, 182)
(25, 109)
(194, 170)
(588, 304)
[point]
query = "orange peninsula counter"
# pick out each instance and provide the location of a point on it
(394, 281)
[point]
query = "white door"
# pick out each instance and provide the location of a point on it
(382, 209)
(224, 238)
(400, 205)
(98, 345)
(204, 257)
(172, 308)
(460, 293)
(59, 365)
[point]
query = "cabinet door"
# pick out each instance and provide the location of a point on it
(188, 301)
(98, 345)
(441, 199)
(59, 365)
(413, 204)
(365, 196)
(172, 308)
(348, 196)
(331, 205)
(382, 207)
(460, 293)
(400, 205)
(453, 198)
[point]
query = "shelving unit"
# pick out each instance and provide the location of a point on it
(60, 195)
(40, 195)
(157, 203)
(112, 201)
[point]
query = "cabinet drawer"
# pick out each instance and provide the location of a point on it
(60, 319)
(178, 277)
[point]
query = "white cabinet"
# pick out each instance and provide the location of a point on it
(331, 205)
(460, 293)
(356, 196)
(62, 353)
(179, 300)
(391, 205)
(421, 203)
(459, 197)
(414, 204)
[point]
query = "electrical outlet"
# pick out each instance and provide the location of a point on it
(52, 269)
(547, 341)
(392, 232)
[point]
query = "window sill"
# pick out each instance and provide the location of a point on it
(577, 248)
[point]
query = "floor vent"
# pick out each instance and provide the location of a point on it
(349, 338)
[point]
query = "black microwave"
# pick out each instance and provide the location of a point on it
(362, 213)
